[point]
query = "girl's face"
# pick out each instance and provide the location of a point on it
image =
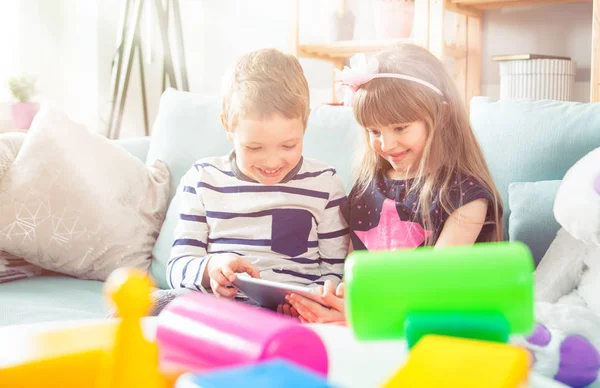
(267, 150)
(401, 145)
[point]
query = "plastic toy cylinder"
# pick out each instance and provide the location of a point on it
(383, 288)
(200, 332)
(481, 326)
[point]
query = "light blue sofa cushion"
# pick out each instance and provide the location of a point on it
(530, 141)
(50, 298)
(188, 128)
(331, 136)
(136, 146)
(531, 215)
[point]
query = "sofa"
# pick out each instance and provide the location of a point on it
(529, 145)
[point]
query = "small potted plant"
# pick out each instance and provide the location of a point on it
(23, 111)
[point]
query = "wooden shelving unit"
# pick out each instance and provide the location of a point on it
(429, 33)
(595, 77)
(12, 130)
(344, 49)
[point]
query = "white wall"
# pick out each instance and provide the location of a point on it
(80, 61)
(39, 34)
(71, 43)
(31, 37)
(215, 34)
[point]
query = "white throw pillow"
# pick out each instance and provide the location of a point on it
(11, 267)
(74, 203)
(10, 144)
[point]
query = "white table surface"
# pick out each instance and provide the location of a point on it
(352, 364)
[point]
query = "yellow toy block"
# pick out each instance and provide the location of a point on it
(66, 358)
(133, 360)
(449, 362)
(113, 354)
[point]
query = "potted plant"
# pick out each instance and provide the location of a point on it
(22, 88)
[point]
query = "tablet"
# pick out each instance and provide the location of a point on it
(270, 294)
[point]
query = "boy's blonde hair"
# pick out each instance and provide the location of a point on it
(263, 83)
(451, 144)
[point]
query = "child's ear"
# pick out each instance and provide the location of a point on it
(226, 126)
(224, 122)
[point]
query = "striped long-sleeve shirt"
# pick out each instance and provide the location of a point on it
(292, 232)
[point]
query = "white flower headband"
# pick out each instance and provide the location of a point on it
(360, 72)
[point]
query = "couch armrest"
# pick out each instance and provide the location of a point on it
(136, 146)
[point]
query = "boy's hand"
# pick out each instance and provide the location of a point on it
(313, 312)
(220, 273)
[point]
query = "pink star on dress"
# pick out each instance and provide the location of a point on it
(392, 233)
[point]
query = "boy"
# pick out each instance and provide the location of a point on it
(263, 209)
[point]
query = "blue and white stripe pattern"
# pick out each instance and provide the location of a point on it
(292, 232)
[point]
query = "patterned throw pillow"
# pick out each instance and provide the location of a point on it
(15, 268)
(10, 144)
(12, 267)
(73, 203)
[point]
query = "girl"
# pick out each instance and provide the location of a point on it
(421, 178)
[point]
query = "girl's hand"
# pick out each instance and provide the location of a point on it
(313, 312)
(287, 310)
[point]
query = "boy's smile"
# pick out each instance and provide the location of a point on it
(267, 149)
(270, 173)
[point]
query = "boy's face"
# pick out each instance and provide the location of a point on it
(267, 149)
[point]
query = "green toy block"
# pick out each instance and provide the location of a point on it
(481, 326)
(382, 288)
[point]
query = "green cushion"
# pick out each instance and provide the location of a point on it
(531, 215)
(530, 141)
(50, 298)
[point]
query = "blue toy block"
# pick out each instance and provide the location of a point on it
(269, 374)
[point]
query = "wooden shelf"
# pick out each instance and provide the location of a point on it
(595, 76)
(429, 32)
(489, 4)
(345, 49)
(12, 130)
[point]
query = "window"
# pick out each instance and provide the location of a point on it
(8, 43)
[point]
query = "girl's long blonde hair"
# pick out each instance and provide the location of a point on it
(451, 146)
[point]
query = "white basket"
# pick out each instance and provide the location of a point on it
(537, 79)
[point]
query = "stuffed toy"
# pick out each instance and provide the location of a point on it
(569, 272)
(566, 340)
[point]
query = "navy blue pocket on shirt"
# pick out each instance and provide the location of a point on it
(290, 231)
